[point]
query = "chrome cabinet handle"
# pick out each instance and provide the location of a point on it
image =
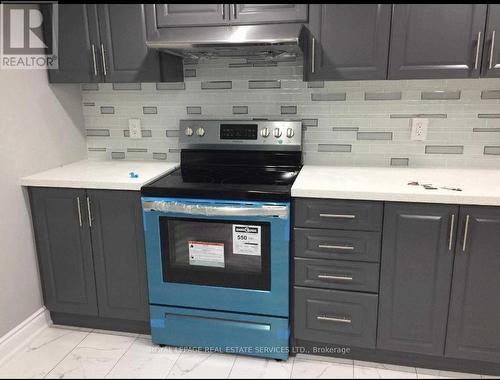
(79, 211)
(452, 224)
(94, 60)
(333, 319)
(476, 62)
(339, 216)
(466, 231)
(89, 212)
(103, 55)
(223, 11)
(492, 49)
(345, 247)
(235, 12)
(337, 278)
(313, 58)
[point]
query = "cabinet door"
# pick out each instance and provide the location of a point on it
(474, 320)
(436, 40)
(267, 13)
(347, 53)
(491, 56)
(123, 38)
(64, 250)
(172, 15)
(416, 269)
(78, 45)
(118, 244)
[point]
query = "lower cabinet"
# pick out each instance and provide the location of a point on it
(90, 246)
(474, 320)
(415, 278)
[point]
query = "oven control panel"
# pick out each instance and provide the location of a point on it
(240, 134)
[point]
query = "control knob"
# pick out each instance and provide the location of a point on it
(264, 132)
(289, 133)
(277, 132)
(200, 132)
(188, 131)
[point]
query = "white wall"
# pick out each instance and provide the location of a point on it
(41, 127)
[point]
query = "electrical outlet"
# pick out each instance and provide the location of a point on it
(134, 128)
(419, 129)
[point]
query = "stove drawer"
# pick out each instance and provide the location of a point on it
(338, 214)
(333, 274)
(225, 332)
(337, 244)
(331, 316)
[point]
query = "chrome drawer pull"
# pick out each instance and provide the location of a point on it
(79, 211)
(332, 319)
(452, 226)
(478, 47)
(345, 247)
(466, 231)
(337, 278)
(339, 216)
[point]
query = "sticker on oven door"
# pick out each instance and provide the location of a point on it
(206, 254)
(246, 240)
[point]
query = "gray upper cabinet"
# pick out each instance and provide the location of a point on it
(416, 270)
(338, 51)
(491, 52)
(267, 13)
(172, 15)
(118, 246)
(436, 40)
(473, 325)
(64, 250)
(78, 37)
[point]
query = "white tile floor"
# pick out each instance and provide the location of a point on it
(59, 352)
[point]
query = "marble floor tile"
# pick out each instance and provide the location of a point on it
(312, 369)
(94, 357)
(195, 364)
(246, 367)
(43, 353)
(362, 372)
(145, 360)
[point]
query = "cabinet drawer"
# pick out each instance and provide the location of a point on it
(338, 214)
(337, 244)
(332, 316)
(333, 274)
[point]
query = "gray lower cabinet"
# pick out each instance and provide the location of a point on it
(90, 246)
(416, 270)
(436, 41)
(474, 318)
(64, 250)
(343, 52)
(119, 256)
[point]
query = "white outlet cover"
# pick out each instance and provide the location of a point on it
(419, 128)
(134, 127)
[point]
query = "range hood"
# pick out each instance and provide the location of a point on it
(268, 42)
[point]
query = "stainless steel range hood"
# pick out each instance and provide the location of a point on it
(273, 41)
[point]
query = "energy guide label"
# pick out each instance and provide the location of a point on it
(206, 254)
(246, 240)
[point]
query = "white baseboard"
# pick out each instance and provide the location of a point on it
(11, 342)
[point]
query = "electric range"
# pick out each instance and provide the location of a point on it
(217, 234)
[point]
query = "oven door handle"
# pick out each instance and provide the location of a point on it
(206, 210)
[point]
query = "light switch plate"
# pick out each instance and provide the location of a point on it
(419, 128)
(134, 127)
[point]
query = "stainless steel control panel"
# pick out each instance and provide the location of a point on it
(240, 134)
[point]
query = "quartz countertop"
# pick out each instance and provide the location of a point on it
(101, 174)
(479, 186)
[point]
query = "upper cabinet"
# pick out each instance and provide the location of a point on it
(491, 56)
(339, 51)
(107, 43)
(437, 41)
(178, 15)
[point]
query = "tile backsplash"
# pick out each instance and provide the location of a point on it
(361, 123)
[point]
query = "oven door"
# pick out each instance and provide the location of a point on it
(219, 255)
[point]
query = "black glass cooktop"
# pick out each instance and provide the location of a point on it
(229, 179)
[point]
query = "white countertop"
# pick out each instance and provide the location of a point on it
(101, 174)
(479, 186)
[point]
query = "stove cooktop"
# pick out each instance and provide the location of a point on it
(228, 183)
